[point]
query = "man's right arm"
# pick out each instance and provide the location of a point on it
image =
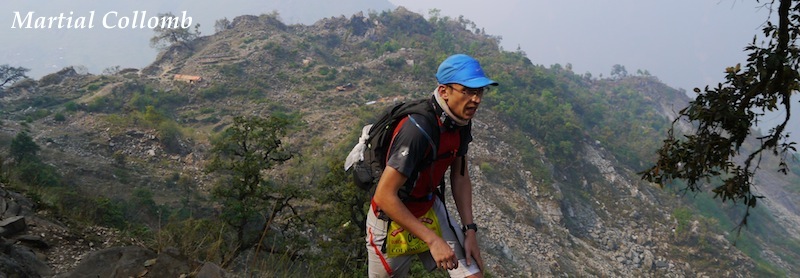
(387, 200)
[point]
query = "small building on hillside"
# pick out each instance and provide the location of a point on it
(191, 79)
(345, 87)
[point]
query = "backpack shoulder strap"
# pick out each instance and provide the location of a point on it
(434, 145)
(432, 130)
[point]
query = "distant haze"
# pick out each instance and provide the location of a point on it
(687, 44)
(48, 50)
(684, 43)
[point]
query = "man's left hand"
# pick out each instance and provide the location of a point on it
(472, 249)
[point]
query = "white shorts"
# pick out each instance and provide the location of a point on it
(380, 265)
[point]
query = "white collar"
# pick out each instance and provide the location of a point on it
(443, 105)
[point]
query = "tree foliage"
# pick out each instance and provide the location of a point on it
(222, 25)
(562, 110)
(166, 36)
(9, 75)
(723, 117)
(248, 148)
(618, 71)
(342, 218)
(23, 148)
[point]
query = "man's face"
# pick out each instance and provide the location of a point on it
(463, 101)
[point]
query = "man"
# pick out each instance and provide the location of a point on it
(455, 101)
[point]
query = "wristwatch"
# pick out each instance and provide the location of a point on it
(471, 226)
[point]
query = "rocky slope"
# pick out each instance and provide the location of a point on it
(619, 229)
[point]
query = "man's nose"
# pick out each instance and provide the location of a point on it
(477, 98)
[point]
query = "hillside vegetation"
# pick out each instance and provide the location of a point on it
(555, 156)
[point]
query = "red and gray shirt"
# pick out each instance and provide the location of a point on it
(410, 148)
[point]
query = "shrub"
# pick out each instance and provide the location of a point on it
(394, 62)
(119, 158)
(324, 71)
(36, 173)
(71, 106)
(683, 216)
(214, 92)
(152, 116)
(23, 148)
(109, 213)
(200, 239)
(170, 135)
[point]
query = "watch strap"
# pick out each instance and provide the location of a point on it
(471, 226)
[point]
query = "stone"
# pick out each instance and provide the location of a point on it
(125, 261)
(12, 226)
(210, 270)
(648, 260)
(32, 241)
(170, 263)
(3, 205)
(23, 261)
(150, 262)
(12, 209)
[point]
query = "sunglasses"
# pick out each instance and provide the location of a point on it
(471, 92)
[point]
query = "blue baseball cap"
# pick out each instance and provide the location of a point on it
(463, 69)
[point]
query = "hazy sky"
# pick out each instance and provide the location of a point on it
(47, 50)
(685, 43)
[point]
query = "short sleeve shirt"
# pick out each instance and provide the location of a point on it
(410, 148)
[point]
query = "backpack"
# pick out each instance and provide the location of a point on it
(368, 157)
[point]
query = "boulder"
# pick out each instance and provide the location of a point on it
(32, 241)
(12, 226)
(22, 261)
(170, 263)
(132, 261)
(210, 270)
(125, 261)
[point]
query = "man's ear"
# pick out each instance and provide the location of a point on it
(442, 91)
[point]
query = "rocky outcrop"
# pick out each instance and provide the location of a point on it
(58, 77)
(135, 261)
(617, 227)
(20, 252)
(128, 261)
(33, 246)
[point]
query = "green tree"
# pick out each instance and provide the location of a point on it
(222, 25)
(342, 218)
(246, 149)
(723, 118)
(9, 75)
(152, 116)
(28, 166)
(168, 35)
(618, 71)
(23, 148)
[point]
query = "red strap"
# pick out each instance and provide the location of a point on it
(378, 252)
